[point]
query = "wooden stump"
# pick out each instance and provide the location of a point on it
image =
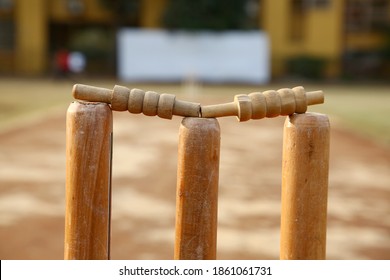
(197, 189)
(304, 186)
(88, 181)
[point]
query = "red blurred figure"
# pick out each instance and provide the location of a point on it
(62, 62)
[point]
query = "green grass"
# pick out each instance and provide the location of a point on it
(363, 108)
(21, 99)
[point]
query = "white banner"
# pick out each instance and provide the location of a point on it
(254, 269)
(158, 55)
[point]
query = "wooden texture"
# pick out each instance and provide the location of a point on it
(197, 189)
(150, 105)
(88, 181)
(256, 105)
(137, 101)
(120, 98)
(304, 186)
(91, 93)
(268, 104)
(274, 103)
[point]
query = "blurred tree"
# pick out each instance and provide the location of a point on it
(126, 11)
(206, 14)
(100, 42)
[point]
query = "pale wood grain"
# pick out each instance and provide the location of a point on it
(88, 181)
(304, 186)
(197, 189)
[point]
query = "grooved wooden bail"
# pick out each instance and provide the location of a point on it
(88, 181)
(245, 107)
(259, 105)
(165, 106)
(287, 98)
(120, 98)
(149, 107)
(274, 104)
(90, 93)
(197, 189)
(304, 187)
(300, 100)
(268, 104)
(137, 101)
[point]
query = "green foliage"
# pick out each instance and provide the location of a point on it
(386, 45)
(306, 66)
(205, 14)
(126, 11)
(121, 6)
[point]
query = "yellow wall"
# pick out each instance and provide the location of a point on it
(321, 29)
(58, 10)
(151, 11)
(7, 53)
(93, 12)
(363, 41)
(324, 34)
(31, 37)
(32, 18)
(321, 33)
(275, 21)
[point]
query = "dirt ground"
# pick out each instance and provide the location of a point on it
(32, 190)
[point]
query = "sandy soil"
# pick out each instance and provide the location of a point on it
(32, 190)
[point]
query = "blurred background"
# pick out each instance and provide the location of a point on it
(347, 39)
(341, 47)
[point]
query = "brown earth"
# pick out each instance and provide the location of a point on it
(32, 190)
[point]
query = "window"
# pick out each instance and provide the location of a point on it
(367, 15)
(7, 28)
(6, 5)
(297, 23)
(317, 3)
(252, 8)
(76, 7)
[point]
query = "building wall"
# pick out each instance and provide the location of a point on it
(7, 38)
(318, 31)
(275, 22)
(315, 31)
(33, 18)
(324, 35)
(88, 10)
(151, 12)
(31, 36)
